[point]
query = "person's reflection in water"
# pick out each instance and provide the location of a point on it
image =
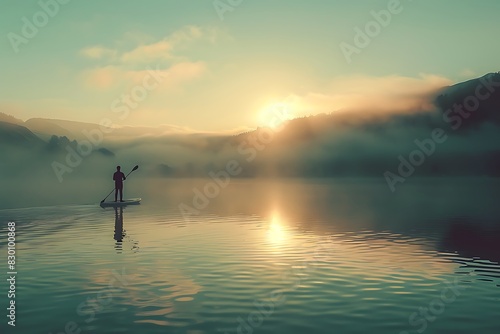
(119, 232)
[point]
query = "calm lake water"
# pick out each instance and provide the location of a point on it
(316, 256)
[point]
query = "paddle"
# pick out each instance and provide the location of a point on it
(135, 168)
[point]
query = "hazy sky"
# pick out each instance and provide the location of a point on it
(222, 69)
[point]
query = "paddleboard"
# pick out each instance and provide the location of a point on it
(132, 201)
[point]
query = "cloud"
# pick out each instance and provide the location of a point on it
(129, 66)
(153, 50)
(148, 53)
(173, 76)
(98, 52)
(390, 94)
(165, 49)
(108, 77)
(103, 78)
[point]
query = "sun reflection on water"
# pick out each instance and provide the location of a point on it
(277, 233)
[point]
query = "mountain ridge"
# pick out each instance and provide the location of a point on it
(323, 145)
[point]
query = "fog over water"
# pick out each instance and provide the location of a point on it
(48, 162)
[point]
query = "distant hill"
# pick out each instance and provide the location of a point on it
(22, 152)
(337, 144)
(18, 136)
(46, 128)
(10, 119)
(479, 97)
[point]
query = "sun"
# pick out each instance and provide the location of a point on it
(275, 114)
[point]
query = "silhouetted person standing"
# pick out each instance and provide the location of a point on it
(119, 177)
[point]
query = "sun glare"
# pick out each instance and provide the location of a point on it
(275, 114)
